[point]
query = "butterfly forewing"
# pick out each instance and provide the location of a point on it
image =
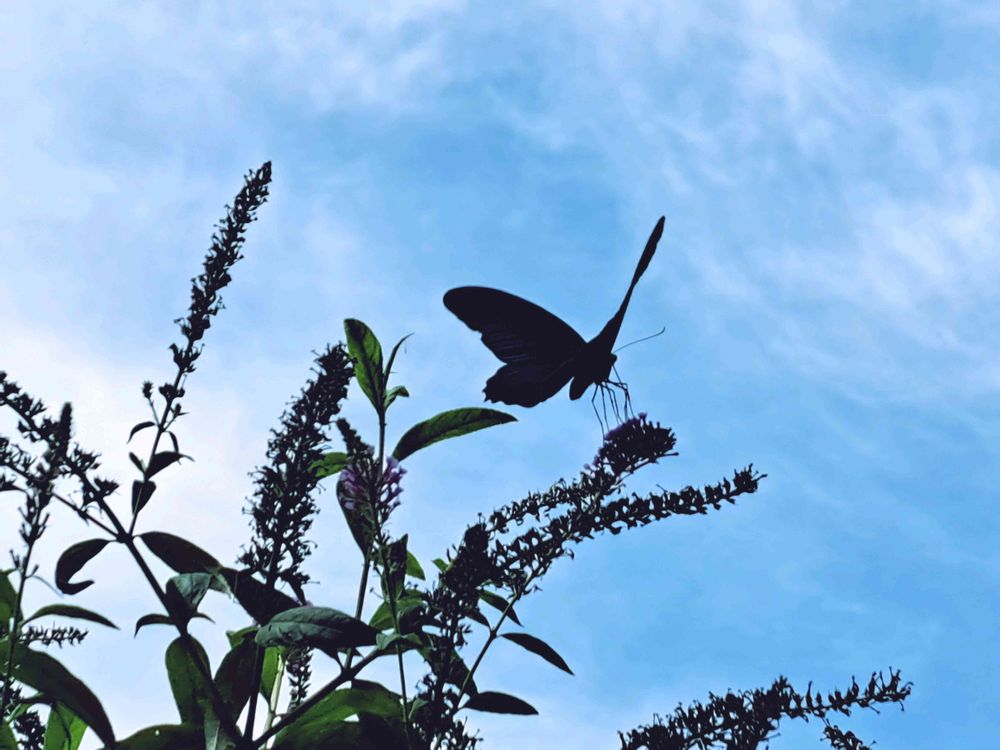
(537, 347)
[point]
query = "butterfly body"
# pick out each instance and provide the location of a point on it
(541, 353)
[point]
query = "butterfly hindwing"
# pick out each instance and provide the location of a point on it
(537, 347)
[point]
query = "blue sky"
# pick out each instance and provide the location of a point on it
(827, 278)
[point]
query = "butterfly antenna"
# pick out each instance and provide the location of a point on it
(645, 338)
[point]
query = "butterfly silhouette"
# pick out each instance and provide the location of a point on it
(540, 351)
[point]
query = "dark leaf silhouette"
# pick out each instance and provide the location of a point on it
(540, 647)
(72, 560)
(499, 703)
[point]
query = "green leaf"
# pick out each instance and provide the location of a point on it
(184, 593)
(7, 739)
(394, 573)
(68, 610)
(141, 493)
(499, 703)
(498, 602)
(139, 428)
(413, 568)
(52, 679)
(162, 460)
(447, 424)
(8, 597)
(331, 463)
(269, 671)
(64, 729)
(441, 564)
(540, 647)
(179, 554)
(392, 394)
(187, 683)
(366, 353)
(151, 619)
(320, 627)
(388, 366)
(234, 677)
(323, 725)
(164, 737)
(72, 560)
(259, 601)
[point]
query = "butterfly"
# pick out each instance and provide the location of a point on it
(541, 352)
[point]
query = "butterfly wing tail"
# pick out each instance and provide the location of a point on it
(647, 254)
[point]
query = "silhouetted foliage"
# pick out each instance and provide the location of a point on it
(499, 560)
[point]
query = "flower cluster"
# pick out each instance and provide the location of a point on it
(746, 719)
(633, 444)
(283, 506)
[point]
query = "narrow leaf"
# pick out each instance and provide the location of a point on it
(137, 462)
(413, 568)
(392, 394)
(448, 424)
(68, 610)
(540, 647)
(64, 730)
(72, 560)
(8, 597)
(50, 677)
(179, 554)
(498, 602)
(366, 353)
(138, 428)
(499, 703)
(234, 677)
(392, 359)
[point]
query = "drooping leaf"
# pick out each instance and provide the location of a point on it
(366, 353)
(68, 610)
(448, 424)
(141, 494)
(72, 560)
(139, 428)
(162, 460)
(499, 703)
(540, 647)
(64, 729)
(259, 601)
(154, 618)
(184, 593)
(8, 598)
(179, 554)
(319, 627)
(395, 392)
(187, 682)
(331, 463)
(164, 737)
(413, 568)
(49, 677)
(477, 616)
(498, 602)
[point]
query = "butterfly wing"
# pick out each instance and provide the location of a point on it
(537, 347)
(597, 357)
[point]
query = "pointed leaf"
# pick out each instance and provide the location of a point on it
(413, 568)
(540, 647)
(331, 463)
(151, 619)
(138, 428)
(366, 353)
(68, 610)
(498, 602)
(398, 391)
(179, 554)
(141, 493)
(323, 725)
(72, 560)
(234, 677)
(64, 729)
(187, 683)
(392, 359)
(184, 593)
(320, 627)
(162, 460)
(137, 462)
(49, 677)
(394, 574)
(499, 703)
(447, 424)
